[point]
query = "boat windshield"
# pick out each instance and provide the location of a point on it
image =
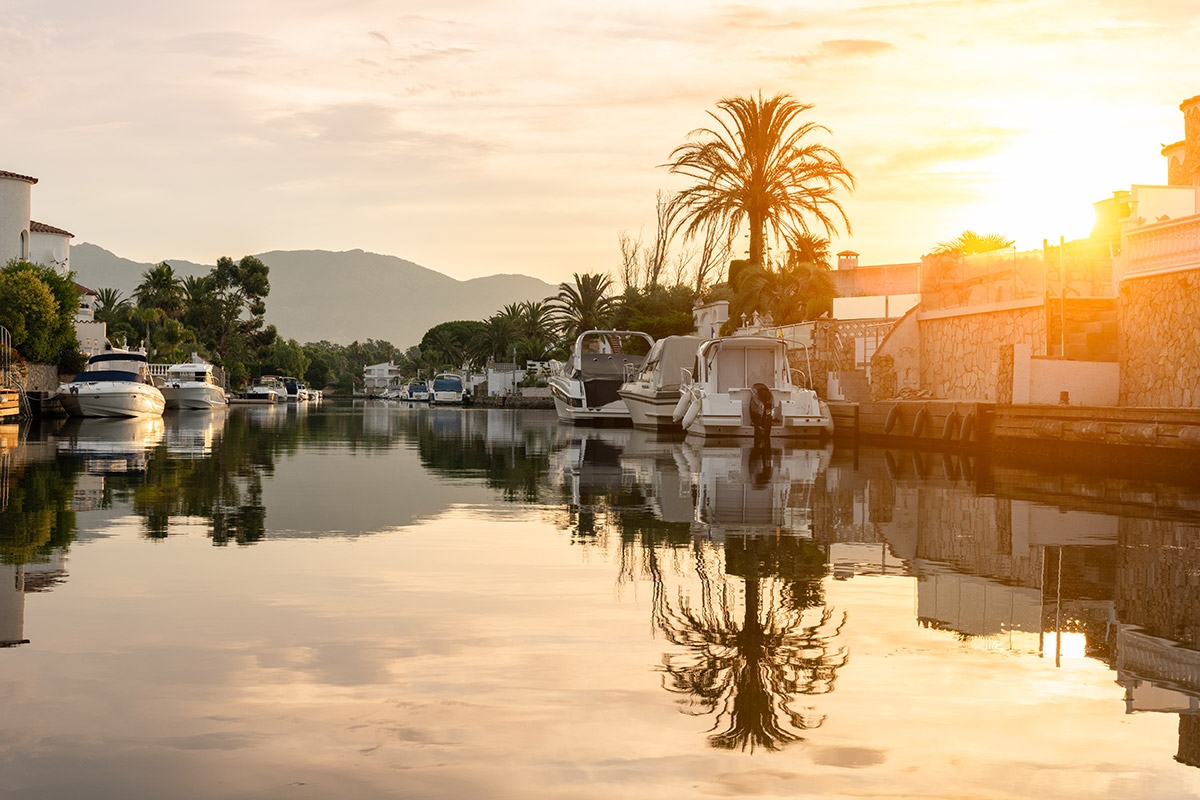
(447, 385)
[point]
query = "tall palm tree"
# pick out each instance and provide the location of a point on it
(161, 288)
(583, 306)
(757, 167)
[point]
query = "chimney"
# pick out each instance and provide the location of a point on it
(848, 259)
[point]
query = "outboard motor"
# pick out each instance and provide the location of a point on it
(763, 411)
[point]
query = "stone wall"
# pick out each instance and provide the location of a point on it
(960, 355)
(1159, 348)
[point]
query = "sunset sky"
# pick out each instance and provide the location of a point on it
(525, 136)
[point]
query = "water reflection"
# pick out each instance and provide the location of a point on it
(739, 545)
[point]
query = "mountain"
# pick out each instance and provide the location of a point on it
(342, 297)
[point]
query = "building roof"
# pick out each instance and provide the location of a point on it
(79, 287)
(847, 253)
(41, 227)
(16, 177)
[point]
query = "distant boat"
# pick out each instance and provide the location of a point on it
(585, 386)
(190, 385)
(742, 387)
(116, 383)
(269, 390)
(447, 389)
(417, 391)
(652, 394)
(297, 390)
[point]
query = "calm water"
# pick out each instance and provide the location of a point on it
(376, 601)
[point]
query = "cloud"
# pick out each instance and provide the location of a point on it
(943, 148)
(845, 50)
(744, 16)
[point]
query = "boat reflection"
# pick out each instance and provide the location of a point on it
(111, 446)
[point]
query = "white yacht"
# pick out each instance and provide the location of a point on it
(191, 385)
(116, 383)
(742, 386)
(652, 394)
(268, 391)
(447, 389)
(584, 387)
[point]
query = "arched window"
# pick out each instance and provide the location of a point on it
(24, 245)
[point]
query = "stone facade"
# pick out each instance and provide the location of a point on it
(1159, 349)
(960, 355)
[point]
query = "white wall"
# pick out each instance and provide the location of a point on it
(1088, 383)
(14, 217)
(874, 306)
(51, 250)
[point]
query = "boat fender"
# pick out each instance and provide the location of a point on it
(951, 426)
(692, 412)
(892, 418)
(681, 407)
(919, 423)
(967, 427)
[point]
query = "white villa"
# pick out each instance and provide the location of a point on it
(30, 240)
(378, 377)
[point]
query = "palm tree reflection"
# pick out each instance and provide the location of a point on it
(750, 671)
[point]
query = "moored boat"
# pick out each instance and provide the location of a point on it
(116, 383)
(447, 389)
(652, 394)
(742, 387)
(191, 385)
(267, 391)
(585, 386)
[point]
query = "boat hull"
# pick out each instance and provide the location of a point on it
(722, 417)
(193, 396)
(649, 409)
(571, 405)
(111, 399)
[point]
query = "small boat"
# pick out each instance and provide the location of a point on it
(585, 386)
(447, 389)
(653, 393)
(268, 391)
(297, 390)
(191, 386)
(116, 383)
(417, 391)
(742, 387)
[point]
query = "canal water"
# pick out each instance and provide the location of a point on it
(380, 601)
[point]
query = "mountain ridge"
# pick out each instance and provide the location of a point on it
(340, 296)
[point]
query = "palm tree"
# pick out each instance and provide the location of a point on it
(971, 243)
(161, 288)
(110, 306)
(583, 306)
(757, 167)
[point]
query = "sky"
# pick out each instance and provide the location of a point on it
(526, 136)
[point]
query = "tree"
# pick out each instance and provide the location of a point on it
(48, 328)
(583, 306)
(161, 288)
(970, 243)
(756, 167)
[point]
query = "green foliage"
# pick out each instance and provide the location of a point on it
(657, 310)
(582, 306)
(38, 307)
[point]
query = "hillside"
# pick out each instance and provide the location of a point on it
(316, 294)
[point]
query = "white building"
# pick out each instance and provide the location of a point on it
(25, 238)
(378, 377)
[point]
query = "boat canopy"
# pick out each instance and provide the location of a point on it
(668, 358)
(447, 384)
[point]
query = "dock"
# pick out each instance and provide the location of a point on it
(1102, 433)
